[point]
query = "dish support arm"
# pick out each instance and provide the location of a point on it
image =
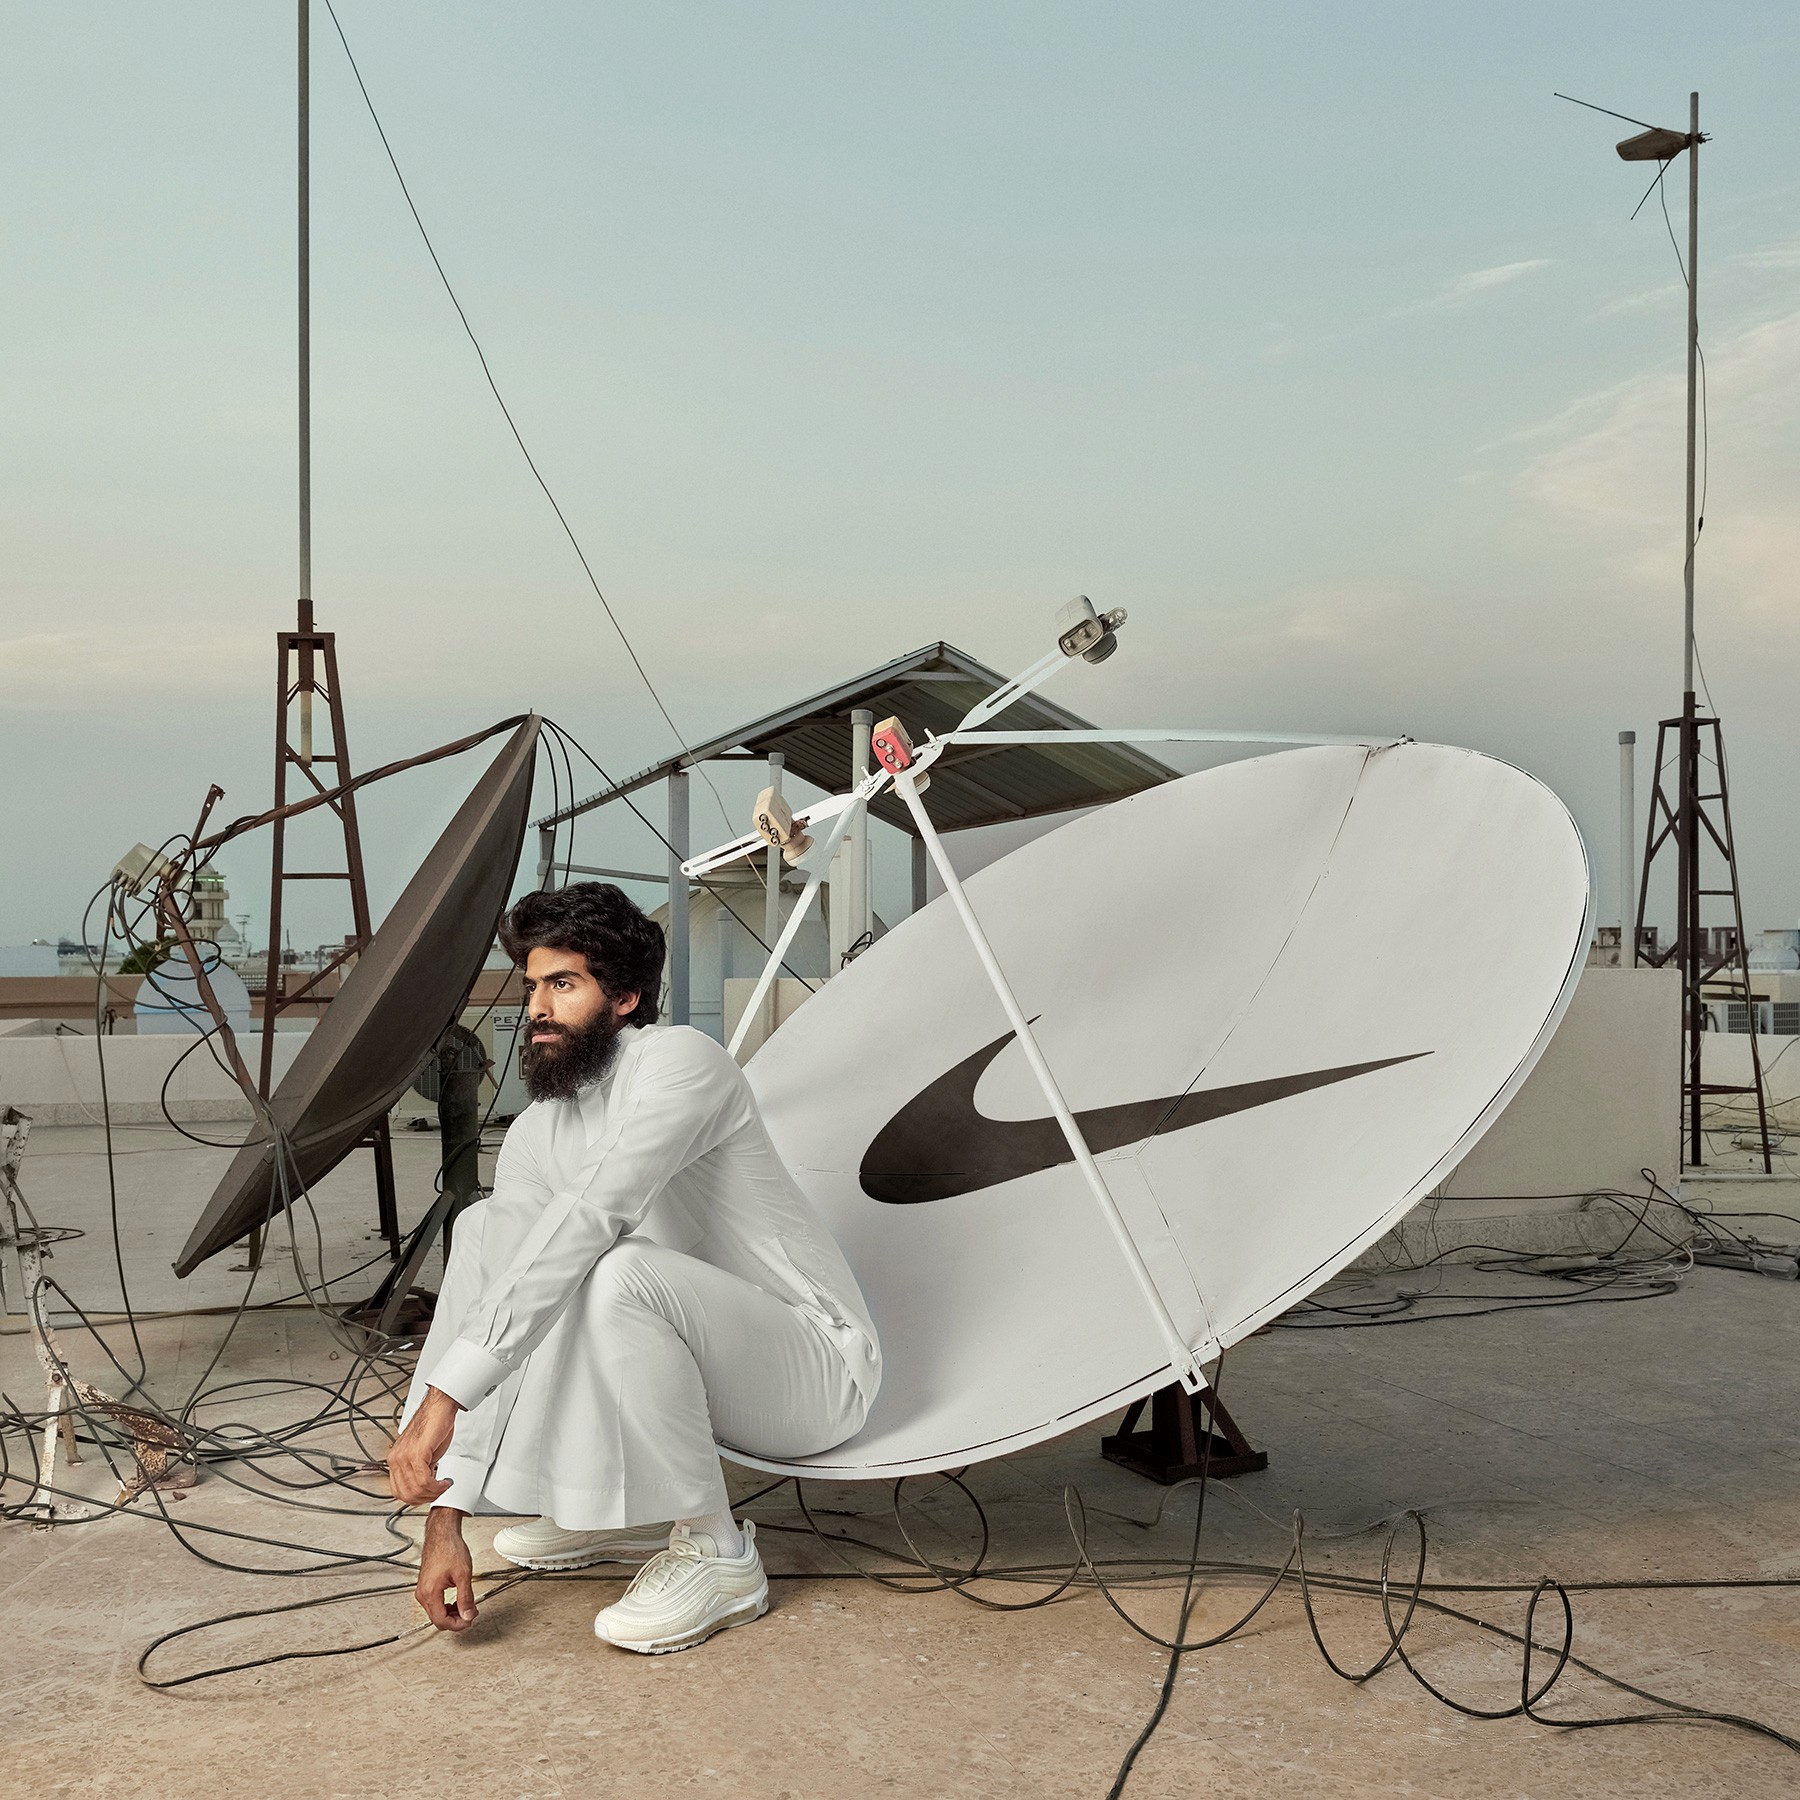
(1186, 1364)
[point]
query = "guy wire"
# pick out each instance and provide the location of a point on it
(506, 411)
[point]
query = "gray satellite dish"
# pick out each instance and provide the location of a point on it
(1284, 998)
(406, 986)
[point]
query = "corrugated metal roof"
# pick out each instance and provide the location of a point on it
(929, 690)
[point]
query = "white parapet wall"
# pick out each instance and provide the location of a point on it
(1602, 1105)
(57, 1079)
(1725, 1058)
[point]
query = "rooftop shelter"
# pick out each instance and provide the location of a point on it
(824, 741)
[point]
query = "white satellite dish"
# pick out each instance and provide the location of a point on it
(169, 1000)
(1283, 999)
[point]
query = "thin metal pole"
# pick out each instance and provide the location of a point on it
(772, 901)
(791, 930)
(862, 913)
(824, 856)
(678, 898)
(274, 977)
(1688, 927)
(1693, 360)
(1688, 837)
(1627, 818)
(1181, 1356)
(305, 376)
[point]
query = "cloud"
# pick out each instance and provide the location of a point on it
(1636, 302)
(1482, 281)
(1772, 256)
(1340, 612)
(1614, 481)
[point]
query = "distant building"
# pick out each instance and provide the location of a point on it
(1603, 952)
(1778, 950)
(29, 959)
(207, 917)
(1774, 959)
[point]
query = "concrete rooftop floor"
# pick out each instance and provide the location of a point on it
(1656, 1438)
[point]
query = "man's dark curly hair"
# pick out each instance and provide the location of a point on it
(623, 946)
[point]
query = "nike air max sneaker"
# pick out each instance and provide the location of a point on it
(682, 1597)
(544, 1544)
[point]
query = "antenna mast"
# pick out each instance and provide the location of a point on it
(304, 161)
(1696, 816)
(306, 668)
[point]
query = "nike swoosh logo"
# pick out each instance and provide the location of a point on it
(937, 1145)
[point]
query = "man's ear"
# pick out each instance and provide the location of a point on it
(625, 1005)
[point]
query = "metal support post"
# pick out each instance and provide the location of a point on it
(825, 853)
(1688, 932)
(919, 864)
(1175, 1448)
(1693, 357)
(303, 335)
(678, 898)
(22, 1238)
(1627, 819)
(772, 904)
(862, 912)
(546, 867)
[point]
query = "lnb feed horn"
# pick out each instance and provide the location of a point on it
(775, 825)
(893, 748)
(1083, 632)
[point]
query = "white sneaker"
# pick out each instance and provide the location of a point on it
(682, 1597)
(543, 1544)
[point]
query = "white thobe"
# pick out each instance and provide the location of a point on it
(647, 1281)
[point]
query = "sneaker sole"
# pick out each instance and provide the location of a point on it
(744, 1613)
(583, 1559)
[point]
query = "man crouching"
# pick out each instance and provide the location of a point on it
(645, 1282)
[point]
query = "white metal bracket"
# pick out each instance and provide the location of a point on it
(1181, 1355)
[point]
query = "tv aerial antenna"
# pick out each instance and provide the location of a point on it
(1690, 801)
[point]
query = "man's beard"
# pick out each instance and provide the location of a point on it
(578, 1056)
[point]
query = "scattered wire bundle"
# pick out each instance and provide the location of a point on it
(1610, 1275)
(1544, 1658)
(251, 1457)
(302, 1462)
(289, 1464)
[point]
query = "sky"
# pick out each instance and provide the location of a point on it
(1317, 337)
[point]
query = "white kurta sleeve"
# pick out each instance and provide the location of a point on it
(686, 1097)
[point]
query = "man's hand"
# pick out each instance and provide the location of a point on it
(413, 1461)
(444, 1563)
